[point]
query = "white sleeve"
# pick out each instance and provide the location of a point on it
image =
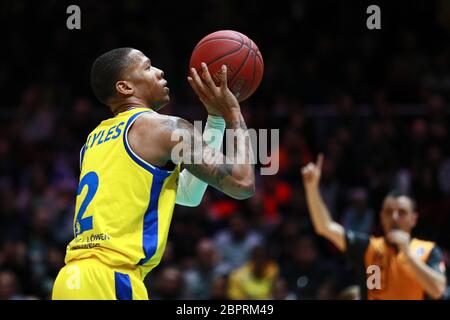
(191, 189)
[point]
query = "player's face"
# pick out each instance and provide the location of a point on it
(148, 81)
(397, 213)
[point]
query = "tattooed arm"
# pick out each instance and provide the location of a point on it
(159, 139)
(232, 174)
(191, 189)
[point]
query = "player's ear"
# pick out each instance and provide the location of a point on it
(124, 88)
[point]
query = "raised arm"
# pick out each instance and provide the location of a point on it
(323, 224)
(234, 173)
(160, 139)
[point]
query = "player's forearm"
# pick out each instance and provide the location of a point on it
(433, 282)
(222, 174)
(240, 153)
(323, 223)
(222, 177)
(212, 166)
(190, 188)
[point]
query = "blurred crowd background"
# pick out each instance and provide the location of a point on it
(375, 102)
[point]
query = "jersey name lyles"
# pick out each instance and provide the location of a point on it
(106, 135)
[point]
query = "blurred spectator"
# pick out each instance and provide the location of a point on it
(306, 271)
(13, 257)
(169, 285)
(358, 216)
(327, 289)
(219, 288)
(255, 279)
(199, 279)
(236, 242)
(280, 290)
(10, 287)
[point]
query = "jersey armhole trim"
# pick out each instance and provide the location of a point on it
(83, 149)
(144, 164)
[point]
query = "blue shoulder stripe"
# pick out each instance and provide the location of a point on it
(82, 151)
(147, 166)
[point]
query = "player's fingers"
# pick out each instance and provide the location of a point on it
(319, 161)
(224, 77)
(197, 90)
(198, 82)
(306, 169)
(207, 77)
(194, 85)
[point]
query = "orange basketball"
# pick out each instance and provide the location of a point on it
(239, 53)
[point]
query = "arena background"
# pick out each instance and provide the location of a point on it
(374, 101)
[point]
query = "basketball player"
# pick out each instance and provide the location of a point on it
(129, 183)
(409, 268)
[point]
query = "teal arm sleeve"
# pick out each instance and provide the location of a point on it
(191, 189)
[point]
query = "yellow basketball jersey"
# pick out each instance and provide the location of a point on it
(124, 205)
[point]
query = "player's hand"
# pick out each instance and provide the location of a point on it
(218, 100)
(312, 171)
(399, 238)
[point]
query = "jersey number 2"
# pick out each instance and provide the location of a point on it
(84, 224)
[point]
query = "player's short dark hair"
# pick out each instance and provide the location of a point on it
(106, 71)
(397, 194)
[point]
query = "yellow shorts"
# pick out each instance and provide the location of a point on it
(90, 279)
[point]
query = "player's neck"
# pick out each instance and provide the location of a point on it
(119, 108)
